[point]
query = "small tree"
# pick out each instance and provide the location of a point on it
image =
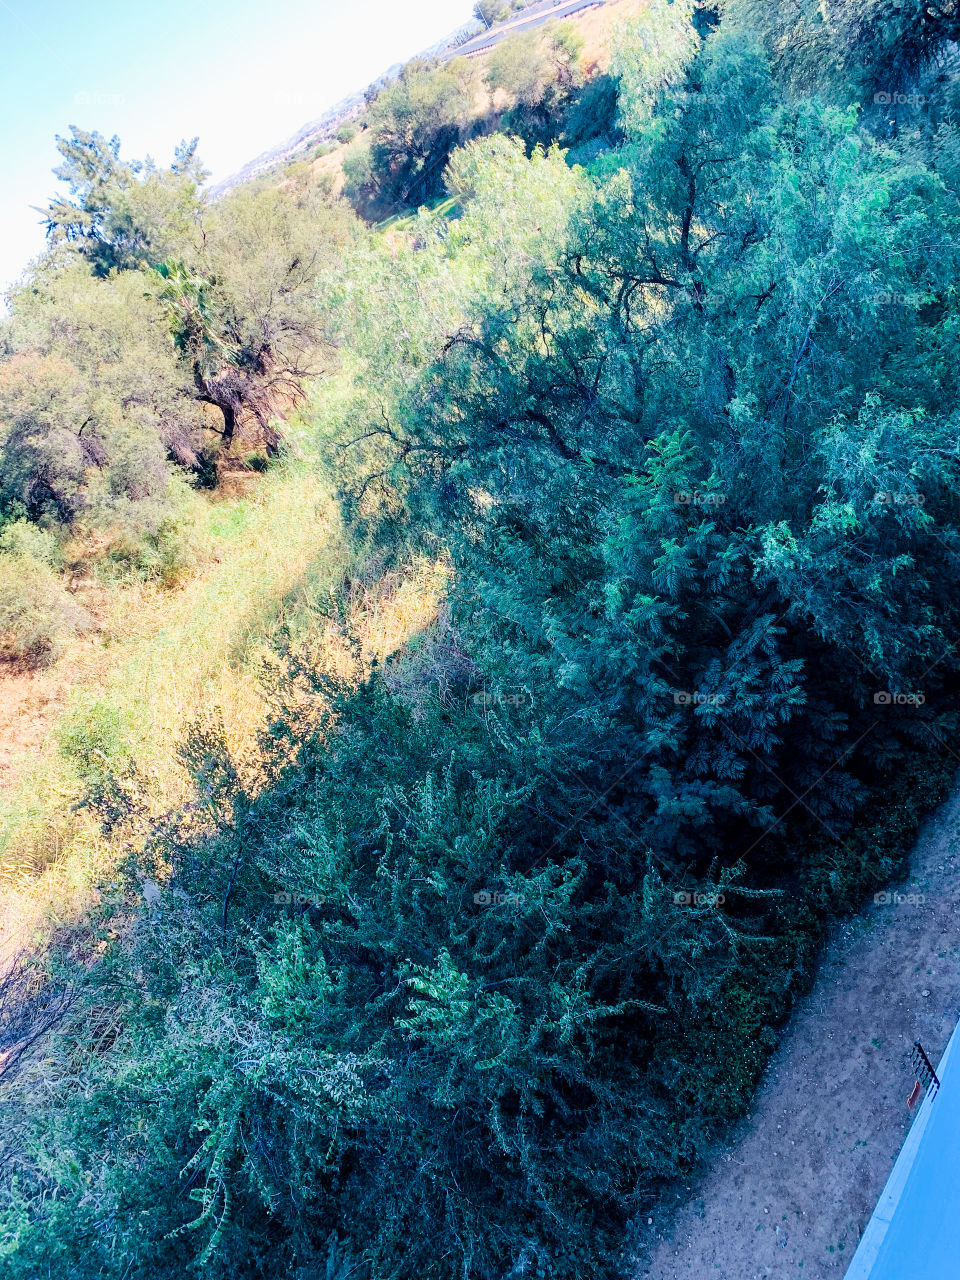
(536, 72)
(244, 314)
(490, 11)
(415, 124)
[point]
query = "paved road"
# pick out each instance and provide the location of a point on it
(533, 17)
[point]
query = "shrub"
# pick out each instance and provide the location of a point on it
(358, 180)
(164, 542)
(37, 615)
(95, 737)
(484, 941)
(415, 122)
(592, 112)
(258, 460)
(27, 540)
(491, 11)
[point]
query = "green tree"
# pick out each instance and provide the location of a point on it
(862, 48)
(134, 409)
(45, 408)
(504, 925)
(490, 11)
(244, 310)
(415, 122)
(123, 214)
(536, 73)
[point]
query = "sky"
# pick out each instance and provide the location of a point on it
(242, 75)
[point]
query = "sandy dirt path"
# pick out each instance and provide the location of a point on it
(790, 1193)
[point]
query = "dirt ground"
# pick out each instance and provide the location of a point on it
(32, 697)
(29, 700)
(792, 1191)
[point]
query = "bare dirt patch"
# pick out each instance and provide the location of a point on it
(792, 1191)
(29, 701)
(32, 697)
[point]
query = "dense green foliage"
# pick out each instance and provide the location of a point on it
(122, 214)
(491, 11)
(537, 73)
(502, 929)
(894, 57)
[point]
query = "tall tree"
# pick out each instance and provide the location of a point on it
(123, 214)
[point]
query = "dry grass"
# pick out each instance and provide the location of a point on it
(596, 26)
(163, 661)
(159, 661)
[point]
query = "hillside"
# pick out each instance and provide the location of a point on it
(478, 617)
(594, 21)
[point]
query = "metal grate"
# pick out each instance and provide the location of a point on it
(924, 1067)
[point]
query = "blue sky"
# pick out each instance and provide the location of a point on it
(242, 75)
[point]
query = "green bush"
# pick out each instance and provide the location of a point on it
(38, 616)
(490, 11)
(592, 113)
(95, 737)
(165, 544)
(27, 540)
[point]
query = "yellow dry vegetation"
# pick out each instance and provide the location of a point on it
(205, 653)
(596, 26)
